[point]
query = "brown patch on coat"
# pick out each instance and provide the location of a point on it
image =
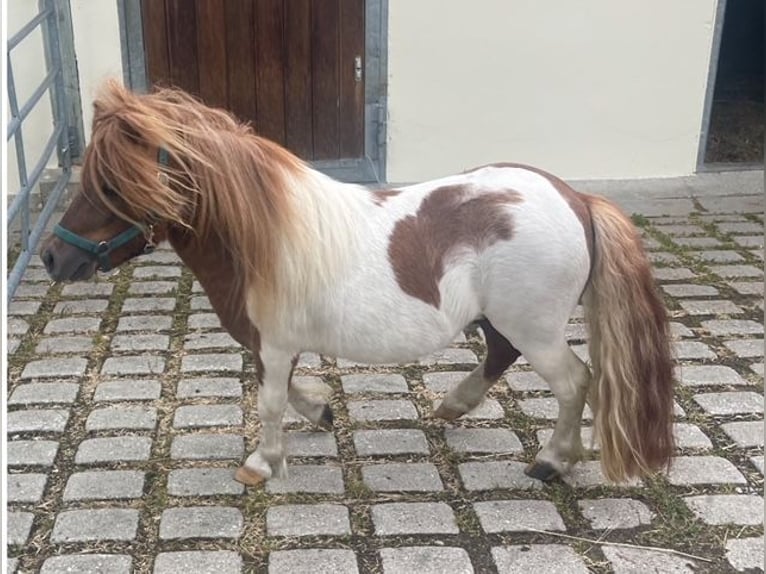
(381, 196)
(447, 218)
(213, 266)
(500, 353)
(576, 200)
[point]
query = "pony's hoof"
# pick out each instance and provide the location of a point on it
(447, 413)
(248, 476)
(325, 421)
(542, 471)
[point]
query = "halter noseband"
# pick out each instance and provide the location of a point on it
(102, 249)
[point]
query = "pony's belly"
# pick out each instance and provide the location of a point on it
(391, 338)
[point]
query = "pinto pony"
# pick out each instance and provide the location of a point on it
(294, 261)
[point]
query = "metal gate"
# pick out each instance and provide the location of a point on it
(65, 138)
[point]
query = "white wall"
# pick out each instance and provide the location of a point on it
(587, 89)
(97, 44)
(97, 47)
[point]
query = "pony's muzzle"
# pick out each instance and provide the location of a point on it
(66, 263)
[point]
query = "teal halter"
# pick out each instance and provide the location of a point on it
(101, 250)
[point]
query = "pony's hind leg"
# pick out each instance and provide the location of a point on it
(310, 400)
(469, 392)
(268, 460)
(569, 379)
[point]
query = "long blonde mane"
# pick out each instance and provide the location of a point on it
(222, 178)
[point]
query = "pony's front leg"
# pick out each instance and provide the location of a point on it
(268, 460)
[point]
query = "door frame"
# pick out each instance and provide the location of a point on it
(707, 110)
(371, 168)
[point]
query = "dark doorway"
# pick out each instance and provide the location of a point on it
(736, 122)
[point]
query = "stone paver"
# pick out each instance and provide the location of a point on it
(731, 403)
(413, 518)
(383, 383)
(144, 323)
(496, 474)
(382, 410)
(425, 560)
(95, 524)
(127, 390)
(311, 444)
(54, 368)
(700, 375)
(211, 362)
(518, 515)
(203, 482)
(201, 446)
(688, 470)
(112, 418)
(733, 327)
(209, 387)
(308, 520)
(745, 553)
(538, 558)
(483, 441)
(198, 562)
(745, 433)
(201, 522)
(130, 408)
(309, 478)
(58, 345)
(628, 560)
(134, 365)
(113, 449)
(615, 513)
(207, 416)
(313, 561)
(31, 452)
(741, 509)
(26, 487)
(104, 485)
(43, 393)
(90, 563)
(136, 343)
(401, 477)
(745, 347)
(395, 441)
(37, 420)
(72, 325)
(19, 527)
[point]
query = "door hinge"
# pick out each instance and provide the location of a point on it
(357, 68)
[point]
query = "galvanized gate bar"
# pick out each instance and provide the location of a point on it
(16, 39)
(21, 114)
(53, 83)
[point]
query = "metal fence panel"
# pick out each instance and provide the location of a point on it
(49, 18)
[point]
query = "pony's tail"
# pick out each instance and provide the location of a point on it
(632, 391)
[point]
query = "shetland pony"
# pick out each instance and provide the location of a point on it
(294, 261)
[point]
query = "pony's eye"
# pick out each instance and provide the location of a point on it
(110, 193)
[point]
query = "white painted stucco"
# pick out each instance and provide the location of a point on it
(589, 89)
(97, 44)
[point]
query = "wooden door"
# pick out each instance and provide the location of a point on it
(293, 68)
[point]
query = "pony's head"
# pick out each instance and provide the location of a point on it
(136, 183)
(165, 166)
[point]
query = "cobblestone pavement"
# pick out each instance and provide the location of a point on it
(130, 408)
